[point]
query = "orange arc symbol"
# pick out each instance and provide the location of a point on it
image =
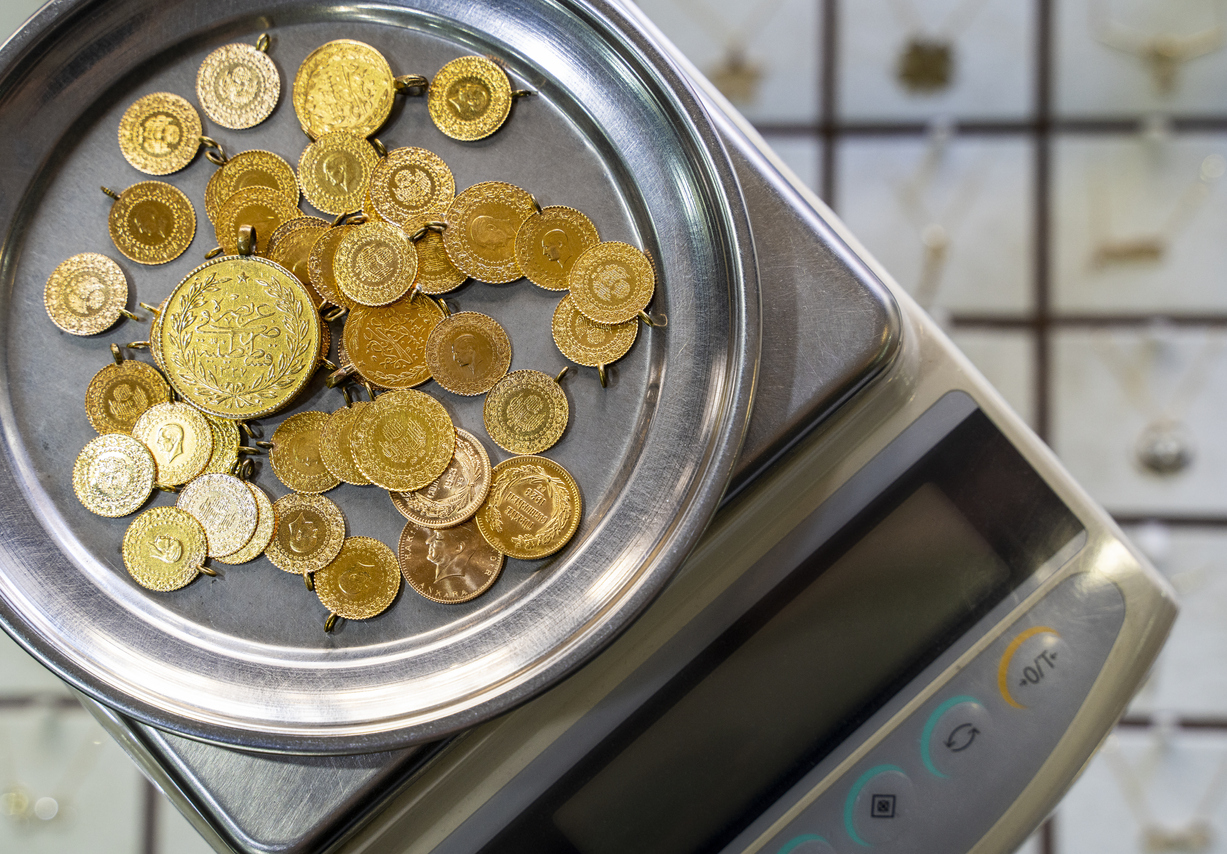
(1003, 682)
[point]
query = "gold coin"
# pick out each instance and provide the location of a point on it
(343, 85)
(240, 337)
(409, 185)
(403, 440)
(549, 242)
(469, 98)
(320, 266)
(375, 264)
(291, 245)
(85, 294)
(224, 507)
(238, 86)
(336, 444)
(612, 282)
(155, 341)
(449, 566)
(296, 457)
(266, 528)
(113, 475)
(335, 170)
(179, 437)
(119, 394)
(325, 339)
(160, 133)
(310, 531)
(526, 412)
(481, 230)
(455, 495)
(152, 223)
(387, 345)
(253, 168)
(436, 272)
(533, 508)
(468, 352)
(361, 582)
(164, 548)
(225, 445)
(264, 209)
(588, 343)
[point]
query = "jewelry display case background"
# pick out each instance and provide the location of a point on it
(1038, 109)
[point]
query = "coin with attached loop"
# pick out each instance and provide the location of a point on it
(451, 565)
(549, 243)
(469, 98)
(404, 440)
(266, 528)
(587, 343)
(468, 352)
(179, 437)
(113, 475)
(375, 264)
(264, 209)
(336, 444)
(454, 496)
(86, 294)
(164, 549)
(254, 168)
(361, 582)
(387, 345)
(533, 508)
(410, 185)
(343, 85)
(225, 508)
(526, 412)
(334, 172)
(238, 86)
(482, 223)
(310, 532)
(612, 282)
(160, 133)
(296, 456)
(152, 223)
(120, 393)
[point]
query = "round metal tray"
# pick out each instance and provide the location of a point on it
(242, 659)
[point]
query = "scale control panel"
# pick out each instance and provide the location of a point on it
(941, 779)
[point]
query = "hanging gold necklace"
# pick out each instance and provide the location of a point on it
(926, 64)
(736, 76)
(1163, 53)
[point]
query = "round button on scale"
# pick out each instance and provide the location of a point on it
(806, 843)
(1033, 667)
(879, 806)
(954, 735)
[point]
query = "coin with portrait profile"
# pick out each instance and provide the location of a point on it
(152, 223)
(468, 352)
(296, 457)
(482, 224)
(612, 282)
(266, 529)
(375, 264)
(310, 532)
(120, 393)
(587, 343)
(387, 345)
(469, 98)
(252, 168)
(334, 172)
(361, 581)
(180, 439)
(336, 444)
(454, 496)
(160, 133)
(448, 565)
(86, 294)
(264, 209)
(409, 185)
(533, 508)
(164, 549)
(238, 86)
(113, 475)
(224, 507)
(550, 241)
(344, 85)
(403, 440)
(526, 412)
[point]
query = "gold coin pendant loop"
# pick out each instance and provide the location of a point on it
(263, 209)
(86, 294)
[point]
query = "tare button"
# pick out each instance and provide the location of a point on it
(1033, 667)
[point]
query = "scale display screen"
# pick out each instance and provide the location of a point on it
(807, 664)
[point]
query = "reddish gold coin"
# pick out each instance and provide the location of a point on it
(481, 230)
(449, 566)
(533, 508)
(388, 345)
(467, 353)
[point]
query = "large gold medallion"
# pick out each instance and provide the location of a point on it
(409, 185)
(225, 445)
(549, 243)
(375, 264)
(296, 456)
(456, 494)
(449, 566)
(310, 532)
(533, 508)
(320, 266)
(526, 412)
(336, 444)
(361, 582)
(152, 223)
(612, 282)
(588, 343)
(240, 337)
(266, 528)
(238, 86)
(179, 437)
(469, 98)
(113, 475)
(264, 209)
(481, 230)
(119, 394)
(388, 345)
(224, 507)
(436, 272)
(160, 133)
(86, 294)
(334, 172)
(343, 85)
(253, 168)
(468, 352)
(403, 440)
(164, 548)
